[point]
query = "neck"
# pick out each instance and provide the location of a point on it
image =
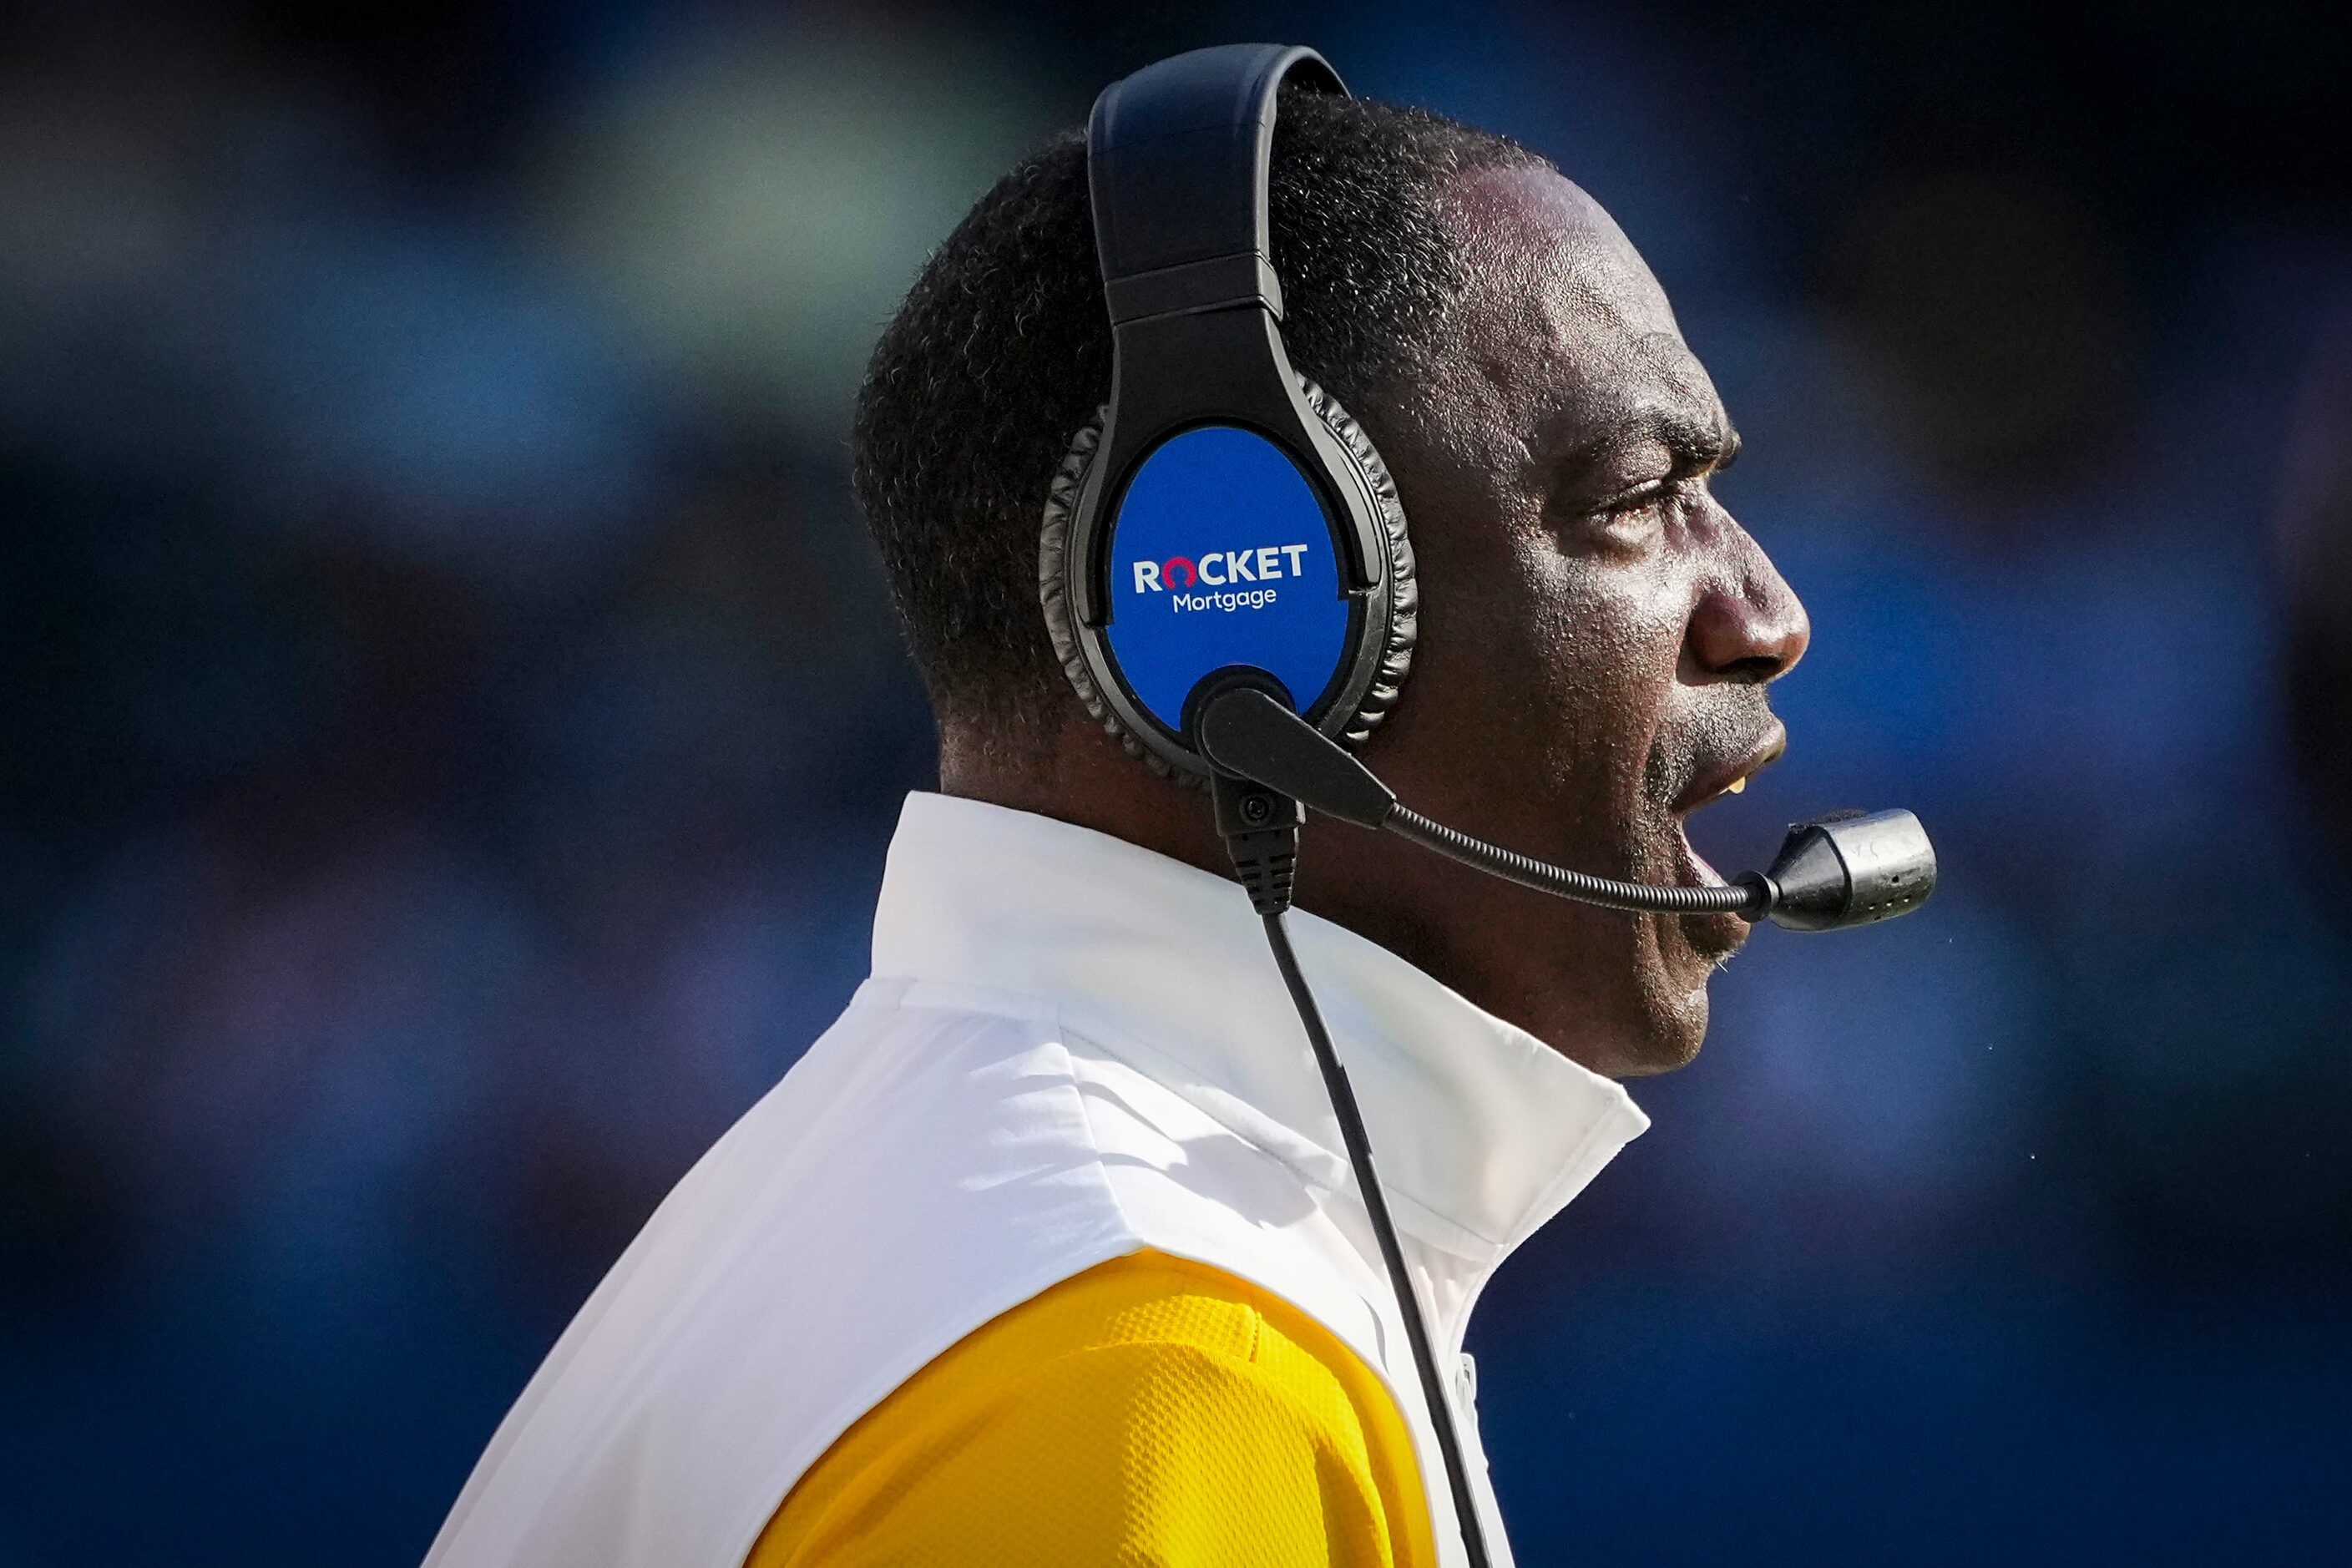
(1085, 778)
(1435, 916)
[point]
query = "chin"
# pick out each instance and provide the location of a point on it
(1664, 1023)
(1673, 1043)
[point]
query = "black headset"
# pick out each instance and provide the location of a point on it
(1228, 581)
(1224, 513)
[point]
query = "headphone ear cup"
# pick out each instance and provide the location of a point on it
(1398, 628)
(1404, 586)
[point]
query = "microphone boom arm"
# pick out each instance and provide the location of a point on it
(1846, 869)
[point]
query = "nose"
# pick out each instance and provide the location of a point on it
(1747, 625)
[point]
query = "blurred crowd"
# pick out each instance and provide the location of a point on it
(454, 722)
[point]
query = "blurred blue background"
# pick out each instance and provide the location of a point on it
(454, 722)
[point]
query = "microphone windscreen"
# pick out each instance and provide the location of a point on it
(1850, 869)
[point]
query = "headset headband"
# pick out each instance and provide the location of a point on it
(1177, 156)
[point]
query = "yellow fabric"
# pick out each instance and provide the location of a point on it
(1148, 1413)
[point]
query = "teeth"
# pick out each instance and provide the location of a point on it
(1735, 785)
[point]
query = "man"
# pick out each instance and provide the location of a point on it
(1044, 1253)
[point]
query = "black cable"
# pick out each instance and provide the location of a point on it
(1260, 828)
(1376, 1205)
(1744, 897)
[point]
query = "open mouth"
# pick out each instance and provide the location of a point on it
(1712, 783)
(1730, 775)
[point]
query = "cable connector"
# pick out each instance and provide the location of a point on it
(1260, 828)
(1244, 729)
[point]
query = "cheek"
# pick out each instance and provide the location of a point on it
(1543, 676)
(1611, 637)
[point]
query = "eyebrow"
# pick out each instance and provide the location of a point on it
(1694, 446)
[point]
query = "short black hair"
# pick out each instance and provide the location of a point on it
(1002, 352)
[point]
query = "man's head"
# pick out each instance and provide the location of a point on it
(1596, 631)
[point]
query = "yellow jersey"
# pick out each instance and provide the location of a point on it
(1150, 1411)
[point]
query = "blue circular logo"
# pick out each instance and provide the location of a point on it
(1221, 554)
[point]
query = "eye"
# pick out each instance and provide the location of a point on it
(1636, 498)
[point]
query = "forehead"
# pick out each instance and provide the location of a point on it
(1562, 322)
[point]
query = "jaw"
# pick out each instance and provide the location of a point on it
(1674, 1047)
(1657, 968)
(1626, 996)
(1671, 977)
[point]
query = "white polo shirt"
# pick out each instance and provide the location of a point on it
(1070, 1049)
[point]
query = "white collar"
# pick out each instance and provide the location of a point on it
(1481, 1132)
